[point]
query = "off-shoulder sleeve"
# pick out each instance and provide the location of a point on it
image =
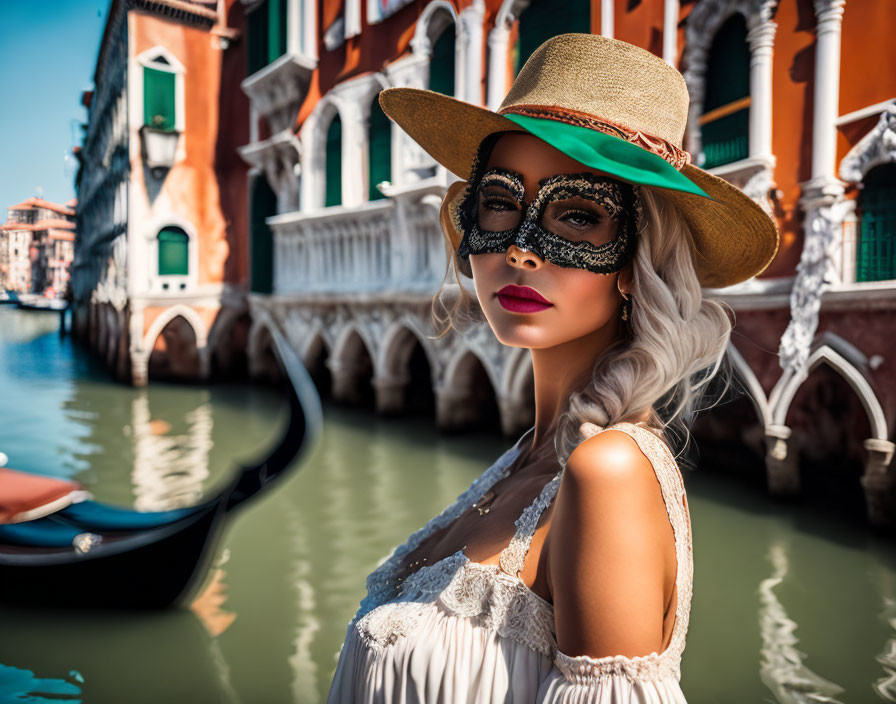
(649, 679)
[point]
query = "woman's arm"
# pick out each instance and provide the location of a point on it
(607, 547)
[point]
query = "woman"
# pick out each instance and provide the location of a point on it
(564, 573)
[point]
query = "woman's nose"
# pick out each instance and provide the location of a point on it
(522, 258)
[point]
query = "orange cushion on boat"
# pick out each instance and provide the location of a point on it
(25, 497)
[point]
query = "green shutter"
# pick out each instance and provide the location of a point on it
(726, 139)
(277, 22)
(261, 242)
(441, 65)
(174, 252)
(334, 163)
(380, 150)
(544, 19)
(257, 30)
(158, 98)
(876, 248)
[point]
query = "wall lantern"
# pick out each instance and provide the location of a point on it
(159, 149)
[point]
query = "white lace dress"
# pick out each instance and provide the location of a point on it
(459, 631)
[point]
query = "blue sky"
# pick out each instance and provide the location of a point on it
(48, 51)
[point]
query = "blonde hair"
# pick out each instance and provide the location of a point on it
(676, 344)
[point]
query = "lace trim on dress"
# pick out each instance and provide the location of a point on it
(469, 590)
(513, 557)
(381, 587)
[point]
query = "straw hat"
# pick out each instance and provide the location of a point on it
(613, 107)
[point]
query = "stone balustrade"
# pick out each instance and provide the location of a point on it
(392, 245)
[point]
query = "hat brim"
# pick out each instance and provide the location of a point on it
(607, 153)
(734, 239)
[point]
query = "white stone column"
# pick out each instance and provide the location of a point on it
(352, 16)
(312, 175)
(293, 26)
(498, 39)
(822, 198)
(826, 101)
(761, 39)
(670, 30)
(309, 27)
(253, 122)
(354, 149)
(469, 26)
(606, 18)
(695, 78)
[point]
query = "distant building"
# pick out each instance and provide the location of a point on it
(159, 274)
(36, 247)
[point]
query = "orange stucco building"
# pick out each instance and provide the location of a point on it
(160, 269)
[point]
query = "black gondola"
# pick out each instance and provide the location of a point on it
(98, 556)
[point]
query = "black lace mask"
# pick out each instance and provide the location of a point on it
(566, 208)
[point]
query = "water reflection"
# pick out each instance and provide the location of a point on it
(305, 680)
(208, 607)
(22, 326)
(169, 469)
(781, 668)
(885, 687)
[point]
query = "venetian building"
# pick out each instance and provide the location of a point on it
(36, 244)
(159, 274)
(346, 250)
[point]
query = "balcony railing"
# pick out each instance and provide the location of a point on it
(388, 246)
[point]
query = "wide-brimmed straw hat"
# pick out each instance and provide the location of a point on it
(613, 107)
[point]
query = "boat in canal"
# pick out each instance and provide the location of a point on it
(33, 301)
(63, 549)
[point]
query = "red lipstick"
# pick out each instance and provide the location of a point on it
(522, 299)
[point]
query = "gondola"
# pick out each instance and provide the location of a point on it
(95, 555)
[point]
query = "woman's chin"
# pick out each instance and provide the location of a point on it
(521, 335)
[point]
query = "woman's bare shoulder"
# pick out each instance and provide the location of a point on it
(606, 558)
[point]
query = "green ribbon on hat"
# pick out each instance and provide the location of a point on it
(607, 153)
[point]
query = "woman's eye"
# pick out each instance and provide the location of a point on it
(499, 204)
(580, 218)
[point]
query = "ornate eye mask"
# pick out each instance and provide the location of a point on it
(567, 211)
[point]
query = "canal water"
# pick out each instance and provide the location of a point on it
(789, 605)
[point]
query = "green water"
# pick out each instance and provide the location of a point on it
(789, 605)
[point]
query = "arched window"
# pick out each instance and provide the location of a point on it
(544, 19)
(725, 123)
(174, 252)
(441, 65)
(876, 250)
(334, 163)
(380, 168)
(261, 242)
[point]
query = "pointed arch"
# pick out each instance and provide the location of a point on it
(398, 344)
(342, 346)
(460, 365)
(836, 352)
(752, 386)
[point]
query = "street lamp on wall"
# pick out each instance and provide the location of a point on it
(159, 149)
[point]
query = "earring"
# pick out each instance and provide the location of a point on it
(626, 312)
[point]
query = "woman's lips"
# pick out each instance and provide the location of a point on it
(522, 299)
